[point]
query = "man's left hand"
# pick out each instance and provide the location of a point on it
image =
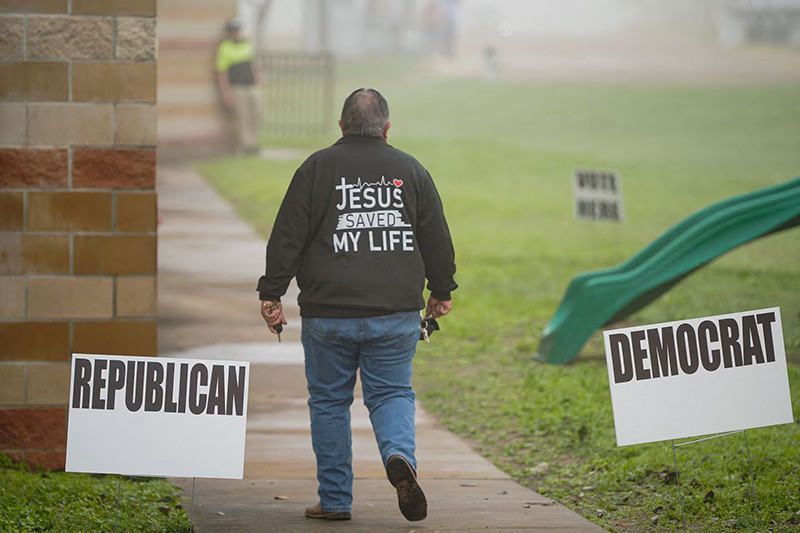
(438, 308)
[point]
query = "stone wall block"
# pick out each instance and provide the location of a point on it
(12, 299)
(34, 81)
(136, 38)
(12, 384)
(34, 341)
(69, 211)
(114, 82)
(137, 212)
(145, 8)
(136, 296)
(115, 254)
(114, 169)
(11, 210)
(33, 428)
(65, 124)
(70, 297)
(26, 253)
(137, 124)
(48, 384)
(33, 167)
(13, 124)
(52, 7)
(119, 338)
(70, 37)
(11, 37)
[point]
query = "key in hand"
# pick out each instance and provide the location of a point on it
(271, 307)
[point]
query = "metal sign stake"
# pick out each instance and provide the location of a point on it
(678, 482)
(749, 462)
(191, 507)
(752, 479)
(119, 491)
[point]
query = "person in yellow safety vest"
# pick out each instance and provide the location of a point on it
(238, 80)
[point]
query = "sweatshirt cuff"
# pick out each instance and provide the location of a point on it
(268, 297)
(442, 296)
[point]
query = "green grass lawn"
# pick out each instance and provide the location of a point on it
(59, 501)
(502, 157)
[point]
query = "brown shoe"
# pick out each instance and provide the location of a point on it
(316, 511)
(410, 497)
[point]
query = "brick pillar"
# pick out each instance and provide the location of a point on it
(191, 119)
(77, 203)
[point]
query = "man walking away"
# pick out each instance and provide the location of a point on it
(361, 227)
(237, 78)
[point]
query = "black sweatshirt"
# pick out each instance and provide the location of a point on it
(361, 227)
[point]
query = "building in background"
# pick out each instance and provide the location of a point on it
(77, 204)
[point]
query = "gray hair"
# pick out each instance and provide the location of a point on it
(366, 113)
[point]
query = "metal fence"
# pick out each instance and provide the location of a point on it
(298, 94)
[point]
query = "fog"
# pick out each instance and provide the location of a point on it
(288, 20)
(539, 17)
(619, 40)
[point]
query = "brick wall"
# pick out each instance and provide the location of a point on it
(77, 203)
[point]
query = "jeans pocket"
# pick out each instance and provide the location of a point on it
(323, 329)
(401, 330)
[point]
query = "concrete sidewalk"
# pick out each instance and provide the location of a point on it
(209, 262)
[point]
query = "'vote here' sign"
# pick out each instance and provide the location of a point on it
(598, 195)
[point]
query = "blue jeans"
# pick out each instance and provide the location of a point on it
(335, 348)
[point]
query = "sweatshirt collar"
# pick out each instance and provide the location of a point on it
(349, 139)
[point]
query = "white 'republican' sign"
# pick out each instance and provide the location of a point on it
(598, 195)
(698, 376)
(155, 416)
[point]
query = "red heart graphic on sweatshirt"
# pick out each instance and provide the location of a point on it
(398, 183)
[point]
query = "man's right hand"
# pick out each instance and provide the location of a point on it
(273, 315)
(438, 308)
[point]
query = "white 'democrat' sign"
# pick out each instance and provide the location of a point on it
(698, 376)
(157, 416)
(598, 195)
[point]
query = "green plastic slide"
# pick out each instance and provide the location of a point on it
(596, 299)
